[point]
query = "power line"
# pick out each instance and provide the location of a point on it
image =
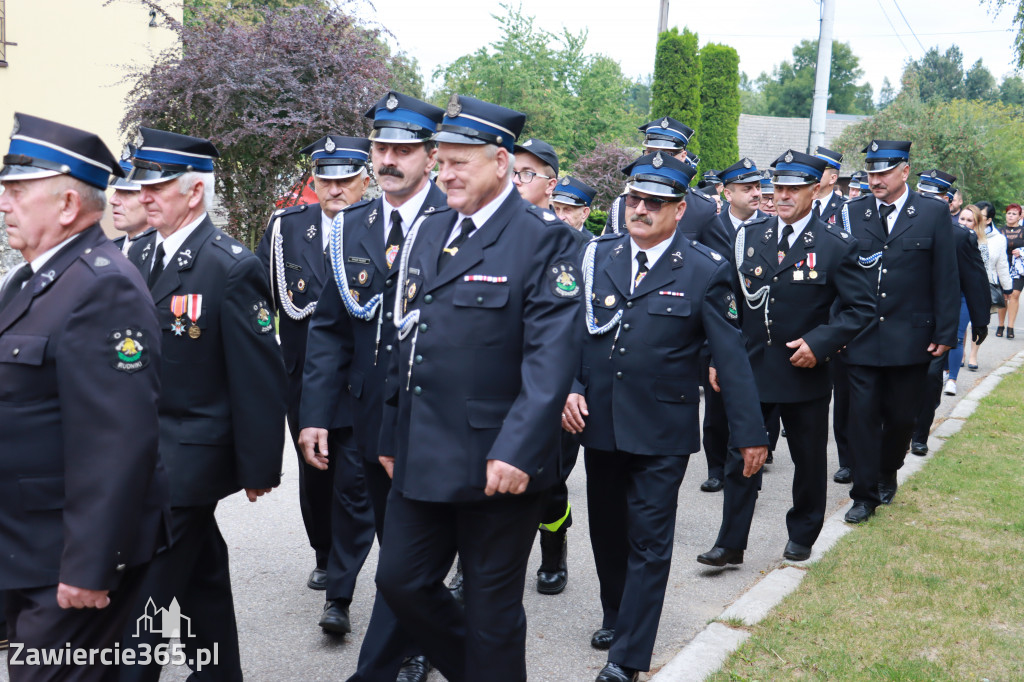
(895, 33)
(908, 25)
(775, 36)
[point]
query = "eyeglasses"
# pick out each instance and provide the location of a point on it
(526, 177)
(650, 203)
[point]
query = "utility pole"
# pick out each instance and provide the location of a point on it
(663, 17)
(822, 75)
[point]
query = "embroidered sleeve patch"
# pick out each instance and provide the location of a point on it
(129, 350)
(262, 320)
(730, 306)
(564, 282)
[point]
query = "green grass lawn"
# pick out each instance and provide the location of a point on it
(931, 588)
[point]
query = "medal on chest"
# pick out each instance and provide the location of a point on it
(178, 310)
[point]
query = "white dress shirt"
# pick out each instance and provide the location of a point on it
(653, 254)
(891, 219)
(176, 240)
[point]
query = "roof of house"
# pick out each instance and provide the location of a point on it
(764, 138)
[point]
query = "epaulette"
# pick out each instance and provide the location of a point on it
(230, 244)
(612, 235)
(711, 254)
(869, 195)
(837, 231)
(290, 209)
(543, 214)
(358, 204)
(750, 222)
(697, 193)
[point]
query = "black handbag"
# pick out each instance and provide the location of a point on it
(996, 294)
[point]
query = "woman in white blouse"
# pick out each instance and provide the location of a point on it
(993, 252)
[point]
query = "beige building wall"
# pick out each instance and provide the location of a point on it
(70, 59)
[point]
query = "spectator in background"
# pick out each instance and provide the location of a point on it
(1014, 233)
(993, 254)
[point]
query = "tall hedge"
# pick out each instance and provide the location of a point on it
(720, 107)
(677, 80)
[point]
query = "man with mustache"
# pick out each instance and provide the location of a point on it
(352, 336)
(653, 298)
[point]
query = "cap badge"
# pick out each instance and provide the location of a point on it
(746, 163)
(126, 153)
(528, 143)
(454, 108)
(788, 158)
(658, 161)
(329, 146)
(392, 103)
(935, 173)
(17, 126)
(664, 123)
(874, 146)
(139, 140)
(565, 181)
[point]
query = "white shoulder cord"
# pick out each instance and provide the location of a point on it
(277, 272)
(758, 298)
(409, 322)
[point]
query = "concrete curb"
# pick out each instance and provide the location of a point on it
(706, 652)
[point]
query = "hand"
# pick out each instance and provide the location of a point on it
(937, 349)
(753, 459)
(574, 412)
(388, 463)
(77, 598)
(313, 443)
(255, 493)
(803, 357)
(502, 477)
(979, 334)
(713, 379)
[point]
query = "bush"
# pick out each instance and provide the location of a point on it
(595, 221)
(601, 170)
(720, 107)
(677, 80)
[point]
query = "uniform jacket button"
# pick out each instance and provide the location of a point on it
(428, 299)
(388, 314)
(625, 327)
(417, 390)
(629, 304)
(622, 351)
(618, 375)
(423, 326)
(419, 359)
(15, 352)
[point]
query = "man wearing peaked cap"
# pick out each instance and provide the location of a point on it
(84, 495)
(767, 194)
(803, 297)
(855, 184)
(742, 186)
(333, 500)
(487, 297)
(222, 402)
(128, 213)
(828, 202)
(352, 335)
(655, 297)
(935, 183)
(907, 245)
(536, 171)
(572, 201)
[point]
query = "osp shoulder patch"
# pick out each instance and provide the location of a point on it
(262, 320)
(129, 349)
(731, 311)
(564, 282)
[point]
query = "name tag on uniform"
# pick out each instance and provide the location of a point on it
(292, 266)
(798, 275)
(357, 259)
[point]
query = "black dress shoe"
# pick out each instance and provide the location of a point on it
(712, 485)
(414, 669)
(887, 487)
(602, 639)
(843, 475)
(796, 552)
(334, 619)
(770, 459)
(859, 512)
(317, 579)
(553, 574)
(918, 448)
(720, 556)
(613, 672)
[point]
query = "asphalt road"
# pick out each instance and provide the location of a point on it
(277, 613)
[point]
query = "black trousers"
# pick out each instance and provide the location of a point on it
(486, 640)
(36, 621)
(194, 573)
(841, 411)
(556, 504)
(884, 404)
(631, 501)
(930, 401)
(715, 427)
(352, 521)
(315, 491)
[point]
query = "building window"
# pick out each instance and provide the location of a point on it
(3, 34)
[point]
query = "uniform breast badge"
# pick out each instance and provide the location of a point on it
(812, 260)
(178, 304)
(195, 309)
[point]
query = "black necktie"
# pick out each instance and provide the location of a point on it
(158, 265)
(787, 232)
(14, 284)
(641, 268)
(465, 229)
(816, 211)
(884, 211)
(395, 238)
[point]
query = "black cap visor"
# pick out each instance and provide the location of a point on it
(793, 178)
(656, 186)
(462, 135)
(21, 167)
(882, 165)
(655, 141)
(397, 133)
(336, 169)
(570, 199)
(152, 173)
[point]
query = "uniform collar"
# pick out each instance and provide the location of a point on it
(39, 261)
(409, 210)
(177, 239)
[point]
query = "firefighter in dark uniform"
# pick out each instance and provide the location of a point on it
(84, 495)
(488, 298)
(222, 400)
(804, 297)
(653, 298)
(828, 202)
(126, 212)
(352, 333)
(335, 508)
(906, 244)
(571, 201)
(974, 290)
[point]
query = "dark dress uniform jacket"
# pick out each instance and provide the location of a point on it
(700, 223)
(919, 291)
(799, 304)
(147, 236)
(490, 372)
(831, 207)
(306, 274)
(223, 402)
(344, 354)
(80, 500)
(644, 399)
